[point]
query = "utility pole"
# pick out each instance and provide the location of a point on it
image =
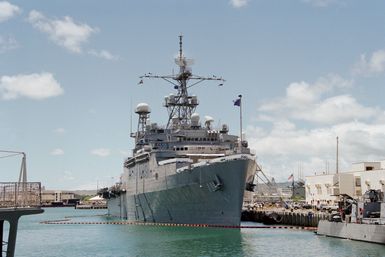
(240, 116)
(337, 157)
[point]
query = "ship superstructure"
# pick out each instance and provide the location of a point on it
(186, 171)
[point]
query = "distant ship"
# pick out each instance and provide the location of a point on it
(183, 172)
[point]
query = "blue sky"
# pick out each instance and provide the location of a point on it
(308, 70)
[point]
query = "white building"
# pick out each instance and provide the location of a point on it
(325, 188)
(49, 196)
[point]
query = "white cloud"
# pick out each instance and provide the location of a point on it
(57, 151)
(103, 54)
(60, 131)
(337, 109)
(303, 125)
(7, 44)
(66, 32)
(300, 93)
(313, 103)
(7, 11)
(323, 3)
(101, 152)
(124, 153)
(68, 176)
(370, 66)
(280, 149)
(34, 86)
(239, 3)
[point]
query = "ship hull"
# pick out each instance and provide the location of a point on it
(372, 233)
(208, 194)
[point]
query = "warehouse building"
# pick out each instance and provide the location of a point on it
(325, 188)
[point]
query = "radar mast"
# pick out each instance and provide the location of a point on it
(181, 105)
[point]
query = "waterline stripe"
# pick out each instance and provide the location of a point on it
(67, 222)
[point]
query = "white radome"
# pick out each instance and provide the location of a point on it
(142, 108)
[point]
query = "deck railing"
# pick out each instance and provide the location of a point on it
(20, 194)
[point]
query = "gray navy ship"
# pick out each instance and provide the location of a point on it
(184, 172)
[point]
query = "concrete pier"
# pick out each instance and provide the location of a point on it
(295, 218)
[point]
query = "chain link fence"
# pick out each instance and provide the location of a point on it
(23, 194)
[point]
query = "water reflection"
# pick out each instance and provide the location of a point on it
(186, 241)
(35, 239)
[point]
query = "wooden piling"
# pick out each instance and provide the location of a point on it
(295, 218)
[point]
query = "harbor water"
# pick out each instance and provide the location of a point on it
(37, 239)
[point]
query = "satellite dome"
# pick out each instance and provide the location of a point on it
(142, 108)
(195, 119)
(209, 118)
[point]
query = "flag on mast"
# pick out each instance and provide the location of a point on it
(291, 177)
(237, 102)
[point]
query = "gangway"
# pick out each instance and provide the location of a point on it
(16, 199)
(270, 184)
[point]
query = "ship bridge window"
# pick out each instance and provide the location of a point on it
(181, 148)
